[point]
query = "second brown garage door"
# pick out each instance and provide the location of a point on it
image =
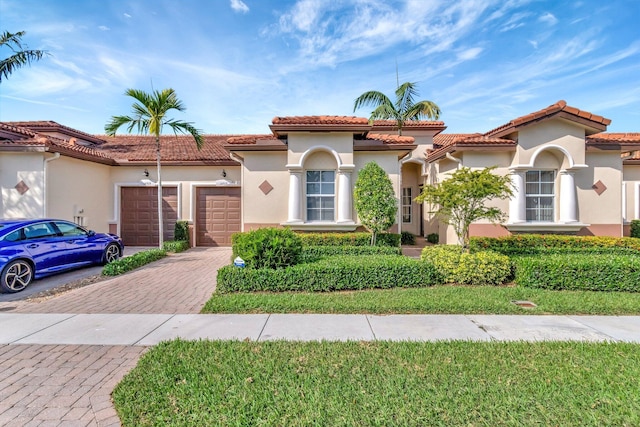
(139, 214)
(217, 215)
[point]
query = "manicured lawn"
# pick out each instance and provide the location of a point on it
(231, 383)
(434, 300)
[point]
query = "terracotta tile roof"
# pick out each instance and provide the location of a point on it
(320, 120)
(174, 149)
(250, 139)
(15, 129)
(615, 138)
(378, 125)
(51, 126)
(552, 110)
(390, 139)
(447, 143)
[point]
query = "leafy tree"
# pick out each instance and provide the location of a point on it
(149, 117)
(462, 199)
(404, 109)
(375, 199)
(20, 56)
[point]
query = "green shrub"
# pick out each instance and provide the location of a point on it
(331, 274)
(175, 245)
(480, 268)
(314, 253)
(267, 247)
(635, 228)
(433, 238)
(579, 272)
(181, 231)
(407, 238)
(132, 262)
(531, 244)
(348, 239)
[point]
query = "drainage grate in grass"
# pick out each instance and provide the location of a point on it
(524, 304)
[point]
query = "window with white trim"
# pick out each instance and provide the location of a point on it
(406, 204)
(321, 194)
(540, 195)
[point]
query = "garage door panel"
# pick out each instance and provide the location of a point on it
(139, 215)
(217, 215)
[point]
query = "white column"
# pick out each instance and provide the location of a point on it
(568, 198)
(344, 196)
(517, 203)
(295, 185)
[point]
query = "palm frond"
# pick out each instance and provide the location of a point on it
(372, 98)
(405, 94)
(186, 127)
(21, 56)
(384, 112)
(116, 122)
(423, 110)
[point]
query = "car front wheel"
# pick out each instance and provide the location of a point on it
(111, 253)
(16, 276)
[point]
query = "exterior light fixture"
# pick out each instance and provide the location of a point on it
(146, 173)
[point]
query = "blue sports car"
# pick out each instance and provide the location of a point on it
(34, 248)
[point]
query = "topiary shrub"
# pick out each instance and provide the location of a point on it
(175, 245)
(267, 247)
(331, 274)
(407, 238)
(532, 244)
(314, 253)
(579, 272)
(348, 239)
(181, 231)
(433, 238)
(480, 268)
(132, 262)
(635, 228)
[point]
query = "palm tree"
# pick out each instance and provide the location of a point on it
(149, 117)
(21, 55)
(404, 108)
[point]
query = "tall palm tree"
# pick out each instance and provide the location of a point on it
(20, 57)
(149, 117)
(404, 109)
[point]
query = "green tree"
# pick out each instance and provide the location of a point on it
(20, 55)
(149, 117)
(462, 199)
(375, 200)
(404, 109)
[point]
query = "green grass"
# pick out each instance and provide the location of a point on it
(435, 299)
(218, 383)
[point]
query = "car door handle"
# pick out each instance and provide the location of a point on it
(32, 246)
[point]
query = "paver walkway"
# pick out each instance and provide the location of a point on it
(71, 385)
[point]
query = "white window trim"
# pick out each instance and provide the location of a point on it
(405, 205)
(320, 195)
(540, 195)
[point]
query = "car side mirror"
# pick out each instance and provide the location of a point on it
(91, 233)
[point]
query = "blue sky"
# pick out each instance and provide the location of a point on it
(238, 63)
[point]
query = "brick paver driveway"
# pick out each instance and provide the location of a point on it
(71, 385)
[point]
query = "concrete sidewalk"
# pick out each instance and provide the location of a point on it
(149, 329)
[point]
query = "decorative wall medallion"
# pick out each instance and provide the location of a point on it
(266, 187)
(22, 187)
(599, 187)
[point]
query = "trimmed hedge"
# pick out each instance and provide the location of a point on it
(579, 272)
(175, 245)
(635, 228)
(314, 253)
(331, 274)
(407, 238)
(433, 238)
(267, 247)
(181, 231)
(132, 262)
(532, 244)
(349, 239)
(480, 268)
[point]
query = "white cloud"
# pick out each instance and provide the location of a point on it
(126, 15)
(533, 43)
(104, 28)
(239, 6)
(469, 54)
(548, 18)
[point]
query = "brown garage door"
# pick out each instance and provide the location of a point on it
(217, 215)
(139, 214)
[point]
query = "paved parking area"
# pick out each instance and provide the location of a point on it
(71, 385)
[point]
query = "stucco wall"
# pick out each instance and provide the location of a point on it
(79, 188)
(631, 176)
(605, 208)
(260, 208)
(300, 143)
(548, 133)
(28, 168)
